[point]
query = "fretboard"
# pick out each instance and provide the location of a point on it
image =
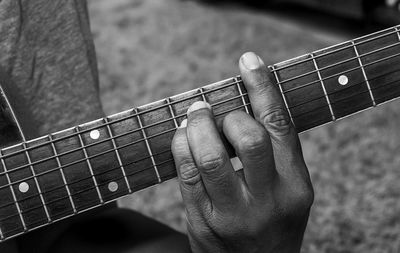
(69, 172)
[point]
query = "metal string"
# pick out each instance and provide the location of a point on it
(81, 131)
(318, 70)
(218, 88)
(173, 118)
(111, 138)
(349, 87)
(386, 58)
(104, 172)
(89, 189)
(343, 48)
(343, 72)
(65, 215)
(147, 168)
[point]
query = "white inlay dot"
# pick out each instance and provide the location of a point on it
(94, 134)
(23, 187)
(343, 80)
(113, 186)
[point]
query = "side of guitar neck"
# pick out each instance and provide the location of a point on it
(83, 167)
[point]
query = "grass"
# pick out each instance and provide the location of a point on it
(151, 49)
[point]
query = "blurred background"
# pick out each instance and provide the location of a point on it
(150, 49)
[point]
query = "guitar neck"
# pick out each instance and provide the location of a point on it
(80, 168)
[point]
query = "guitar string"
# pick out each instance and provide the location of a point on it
(291, 64)
(66, 214)
(326, 78)
(177, 101)
(343, 72)
(115, 168)
(357, 85)
(115, 137)
(383, 98)
(331, 52)
(159, 134)
(120, 178)
(148, 168)
(107, 171)
(100, 184)
(91, 188)
(82, 131)
(337, 63)
(148, 126)
(164, 121)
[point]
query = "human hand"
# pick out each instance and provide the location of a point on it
(266, 207)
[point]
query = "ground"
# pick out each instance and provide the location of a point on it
(151, 49)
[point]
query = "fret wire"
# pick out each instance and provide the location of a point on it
(120, 147)
(12, 191)
(360, 93)
(87, 208)
(151, 167)
(98, 174)
(300, 104)
(339, 49)
(364, 74)
(53, 146)
(398, 32)
(241, 93)
(218, 114)
(283, 94)
(130, 116)
(323, 88)
(386, 58)
(224, 86)
(228, 84)
(117, 154)
(1, 234)
(343, 72)
(202, 94)
(371, 63)
(171, 110)
(37, 183)
(340, 62)
(336, 102)
(89, 165)
(65, 217)
(148, 146)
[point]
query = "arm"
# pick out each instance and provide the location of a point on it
(263, 209)
(48, 70)
(47, 57)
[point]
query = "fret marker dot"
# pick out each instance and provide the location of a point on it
(23, 187)
(113, 186)
(95, 134)
(343, 80)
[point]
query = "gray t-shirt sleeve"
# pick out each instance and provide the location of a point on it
(48, 70)
(48, 63)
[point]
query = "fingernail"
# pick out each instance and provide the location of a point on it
(251, 61)
(183, 123)
(197, 106)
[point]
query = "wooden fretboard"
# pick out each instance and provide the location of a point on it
(68, 172)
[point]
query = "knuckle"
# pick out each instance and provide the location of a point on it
(212, 162)
(253, 141)
(277, 120)
(189, 173)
